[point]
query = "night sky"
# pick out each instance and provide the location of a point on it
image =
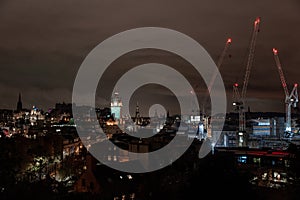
(43, 43)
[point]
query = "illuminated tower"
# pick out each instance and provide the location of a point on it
(116, 107)
(19, 104)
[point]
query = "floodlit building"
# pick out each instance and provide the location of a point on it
(116, 107)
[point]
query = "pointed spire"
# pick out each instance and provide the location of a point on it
(19, 104)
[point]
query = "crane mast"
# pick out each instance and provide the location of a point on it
(236, 94)
(291, 99)
(239, 106)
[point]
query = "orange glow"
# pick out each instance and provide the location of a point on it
(110, 123)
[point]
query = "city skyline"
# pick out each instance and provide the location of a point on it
(43, 44)
(122, 99)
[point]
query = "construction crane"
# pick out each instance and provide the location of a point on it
(239, 98)
(291, 99)
(219, 64)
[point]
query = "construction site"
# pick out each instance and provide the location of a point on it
(244, 128)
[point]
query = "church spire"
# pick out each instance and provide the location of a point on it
(19, 104)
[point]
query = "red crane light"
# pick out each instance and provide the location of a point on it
(257, 21)
(296, 85)
(229, 40)
(236, 85)
(275, 51)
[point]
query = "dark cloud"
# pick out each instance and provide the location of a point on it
(43, 43)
